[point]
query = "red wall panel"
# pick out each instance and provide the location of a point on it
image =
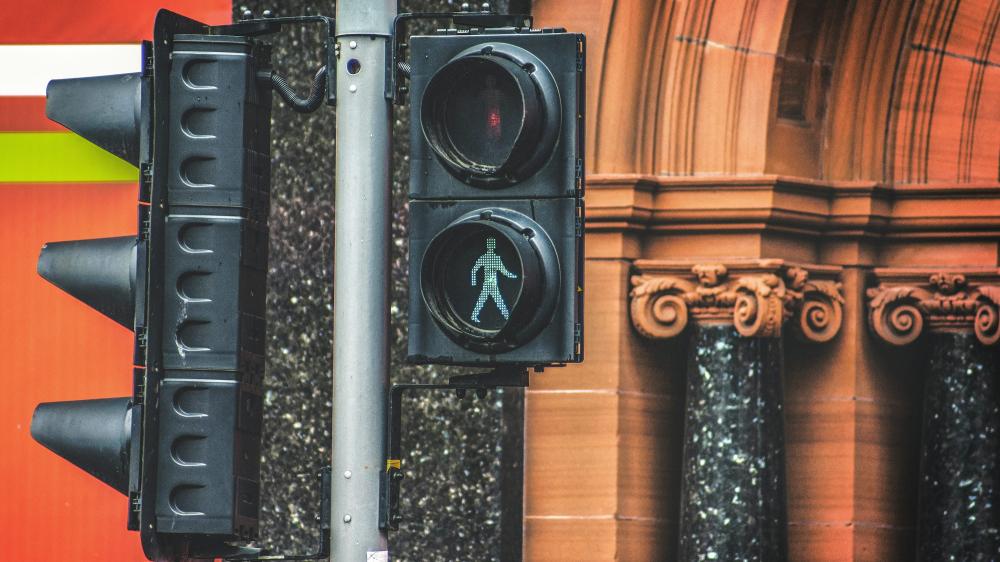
(99, 21)
(53, 347)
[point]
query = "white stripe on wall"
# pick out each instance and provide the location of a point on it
(25, 70)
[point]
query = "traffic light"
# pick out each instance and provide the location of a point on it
(185, 447)
(496, 197)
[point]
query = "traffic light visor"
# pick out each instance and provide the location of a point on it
(95, 435)
(491, 115)
(106, 110)
(100, 272)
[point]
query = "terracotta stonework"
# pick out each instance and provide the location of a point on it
(733, 491)
(906, 301)
(955, 313)
(859, 136)
(756, 297)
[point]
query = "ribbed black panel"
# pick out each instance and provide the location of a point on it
(215, 267)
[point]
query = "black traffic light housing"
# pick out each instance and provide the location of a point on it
(185, 446)
(212, 258)
(496, 197)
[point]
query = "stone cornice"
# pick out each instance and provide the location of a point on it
(851, 209)
(757, 296)
(904, 303)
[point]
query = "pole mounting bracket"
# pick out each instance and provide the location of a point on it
(396, 70)
(389, 490)
(249, 27)
(256, 553)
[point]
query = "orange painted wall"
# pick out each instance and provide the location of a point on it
(53, 347)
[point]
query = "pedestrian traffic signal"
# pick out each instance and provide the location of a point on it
(496, 197)
(185, 446)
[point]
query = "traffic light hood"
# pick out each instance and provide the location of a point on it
(95, 435)
(99, 272)
(106, 110)
(522, 116)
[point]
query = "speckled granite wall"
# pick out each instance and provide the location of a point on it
(733, 490)
(959, 510)
(452, 449)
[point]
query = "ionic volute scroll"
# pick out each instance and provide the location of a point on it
(895, 314)
(659, 305)
(760, 308)
(819, 305)
(758, 299)
(987, 320)
(902, 307)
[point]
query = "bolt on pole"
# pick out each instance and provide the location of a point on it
(361, 279)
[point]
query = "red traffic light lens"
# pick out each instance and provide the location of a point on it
(483, 114)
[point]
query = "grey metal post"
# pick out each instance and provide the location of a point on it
(361, 279)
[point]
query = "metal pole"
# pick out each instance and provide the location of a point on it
(361, 280)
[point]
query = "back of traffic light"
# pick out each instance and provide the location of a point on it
(496, 197)
(185, 447)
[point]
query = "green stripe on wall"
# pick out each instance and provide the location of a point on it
(58, 158)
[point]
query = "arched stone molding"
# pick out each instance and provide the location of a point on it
(757, 297)
(863, 89)
(675, 87)
(692, 88)
(947, 126)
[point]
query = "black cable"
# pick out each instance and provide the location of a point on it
(307, 105)
(404, 67)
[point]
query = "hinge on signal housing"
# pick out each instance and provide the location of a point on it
(145, 181)
(141, 338)
(578, 177)
(579, 218)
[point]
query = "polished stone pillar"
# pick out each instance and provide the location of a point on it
(733, 498)
(733, 490)
(954, 316)
(959, 506)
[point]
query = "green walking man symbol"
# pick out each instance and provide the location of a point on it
(491, 264)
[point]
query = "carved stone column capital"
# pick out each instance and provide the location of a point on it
(903, 302)
(757, 296)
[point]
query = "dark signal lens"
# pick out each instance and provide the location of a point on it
(490, 116)
(482, 115)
